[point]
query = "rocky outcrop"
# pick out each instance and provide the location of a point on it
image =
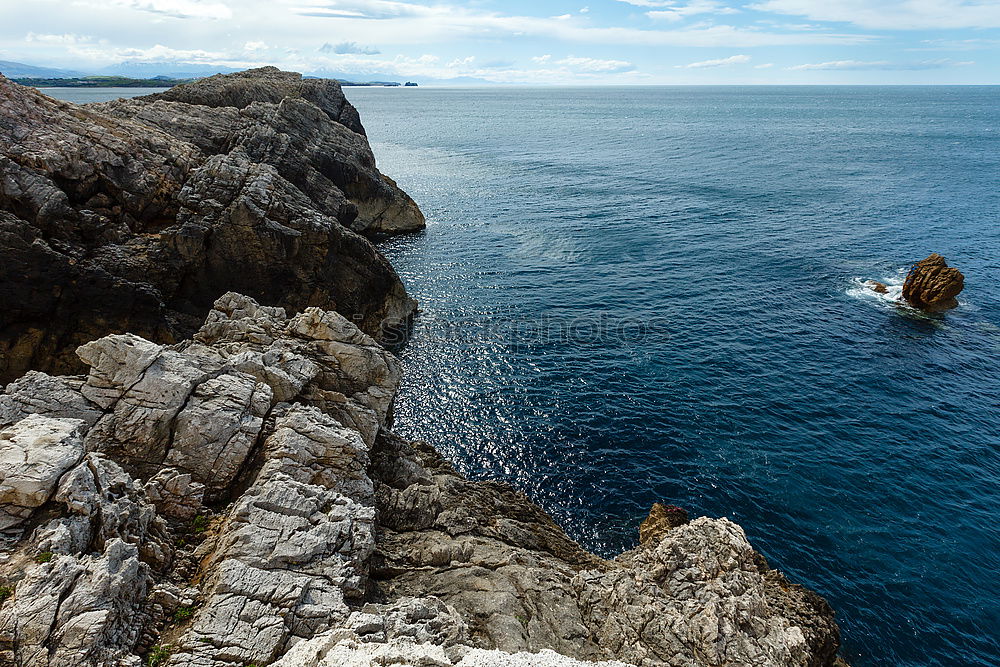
(661, 520)
(236, 496)
(240, 499)
(134, 216)
(305, 128)
(932, 285)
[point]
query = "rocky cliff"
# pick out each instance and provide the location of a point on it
(239, 498)
(136, 215)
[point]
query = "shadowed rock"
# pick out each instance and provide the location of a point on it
(136, 215)
(932, 285)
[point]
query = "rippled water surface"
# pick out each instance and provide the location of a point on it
(856, 442)
(633, 295)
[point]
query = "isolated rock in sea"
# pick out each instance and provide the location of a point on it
(932, 285)
(239, 499)
(877, 287)
(134, 216)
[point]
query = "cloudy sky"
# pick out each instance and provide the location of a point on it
(527, 41)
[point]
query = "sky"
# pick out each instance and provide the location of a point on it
(537, 42)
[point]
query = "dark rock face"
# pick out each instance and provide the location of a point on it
(932, 285)
(269, 85)
(304, 128)
(136, 215)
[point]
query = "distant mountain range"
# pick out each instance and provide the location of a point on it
(13, 70)
(172, 70)
(132, 70)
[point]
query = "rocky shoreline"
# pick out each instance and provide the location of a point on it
(197, 463)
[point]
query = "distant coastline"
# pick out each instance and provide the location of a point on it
(100, 82)
(155, 82)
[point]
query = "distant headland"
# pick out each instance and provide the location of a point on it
(155, 82)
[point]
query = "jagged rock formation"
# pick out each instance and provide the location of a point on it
(134, 216)
(932, 285)
(240, 499)
(661, 520)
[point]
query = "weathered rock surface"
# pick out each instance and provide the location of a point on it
(240, 499)
(34, 454)
(932, 285)
(134, 216)
(877, 287)
(279, 118)
(661, 520)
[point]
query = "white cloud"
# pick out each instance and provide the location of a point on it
(65, 38)
(893, 14)
(203, 9)
(879, 65)
(596, 65)
(649, 3)
(153, 54)
(408, 23)
(349, 47)
(718, 62)
(672, 12)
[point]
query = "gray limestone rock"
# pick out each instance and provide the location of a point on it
(77, 610)
(34, 454)
(239, 499)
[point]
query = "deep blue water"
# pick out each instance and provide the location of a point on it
(642, 294)
(858, 444)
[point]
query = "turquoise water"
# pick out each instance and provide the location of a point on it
(642, 294)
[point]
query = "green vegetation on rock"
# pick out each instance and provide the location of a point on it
(102, 82)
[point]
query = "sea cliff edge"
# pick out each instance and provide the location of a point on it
(197, 462)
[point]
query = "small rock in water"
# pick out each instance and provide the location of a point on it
(662, 518)
(877, 287)
(932, 285)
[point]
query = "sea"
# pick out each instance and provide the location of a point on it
(646, 294)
